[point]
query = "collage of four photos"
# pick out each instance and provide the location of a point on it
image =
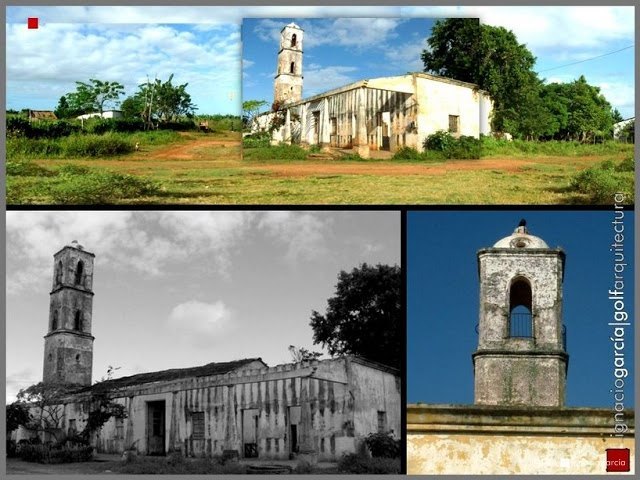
(326, 240)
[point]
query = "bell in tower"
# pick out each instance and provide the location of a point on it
(521, 357)
(68, 344)
(288, 80)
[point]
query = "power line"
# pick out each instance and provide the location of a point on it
(586, 60)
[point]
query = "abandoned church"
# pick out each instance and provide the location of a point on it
(385, 113)
(519, 423)
(323, 408)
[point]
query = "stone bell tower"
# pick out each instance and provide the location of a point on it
(288, 82)
(68, 345)
(521, 357)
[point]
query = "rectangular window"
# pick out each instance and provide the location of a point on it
(382, 422)
(334, 125)
(454, 123)
(72, 427)
(120, 428)
(198, 425)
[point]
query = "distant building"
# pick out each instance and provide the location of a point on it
(318, 408)
(385, 113)
(36, 115)
(105, 114)
(618, 127)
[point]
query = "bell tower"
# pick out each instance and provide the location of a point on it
(68, 344)
(288, 82)
(521, 357)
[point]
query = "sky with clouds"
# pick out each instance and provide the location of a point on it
(180, 289)
(201, 45)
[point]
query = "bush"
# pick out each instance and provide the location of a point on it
(100, 126)
(26, 147)
(98, 187)
(407, 153)
(463, 147)
(57, 454)
(96, 145)
(21, 127)
(303, 467)
(277, 152)
(12, 448)
(257, 140)
(354, 463)
(26, 168)
(178, 126)
(383, 445)
(603, 181)
(203, 466)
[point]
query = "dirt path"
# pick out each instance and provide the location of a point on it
(187, 151)
(389, 168)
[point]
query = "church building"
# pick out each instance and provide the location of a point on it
(385, 113)
(319, 408)
(519, 423)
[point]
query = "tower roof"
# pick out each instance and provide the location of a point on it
(521, 238)
(291, 25)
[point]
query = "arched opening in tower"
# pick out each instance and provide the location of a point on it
(293, 67)
(294, 40)
(520, 313)
(54, 324)
(79, 271)
(78, 321)
(59, 273)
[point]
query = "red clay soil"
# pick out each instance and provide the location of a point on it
(188, 151)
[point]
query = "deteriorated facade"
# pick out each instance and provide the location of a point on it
(323, 408)
(327, 407)
(521, 357)
(385, 113)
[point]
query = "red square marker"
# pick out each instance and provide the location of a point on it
(618, 460)
(32, 22)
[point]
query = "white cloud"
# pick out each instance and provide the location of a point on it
(320, 79)
(199, 321)
(302, 233)
(44, 64)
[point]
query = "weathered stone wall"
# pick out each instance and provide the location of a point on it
(514, 371)
(462, 440)
(338, 401)
(288, 82)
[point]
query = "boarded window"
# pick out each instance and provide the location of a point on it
(334, 125)
(198, 425)
(120, 428)
(382, 421)
(454, 123)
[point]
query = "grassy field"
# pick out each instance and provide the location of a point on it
(199, 168)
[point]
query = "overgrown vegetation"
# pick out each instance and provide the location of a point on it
(354, 463)
(383, 445)
(607, 179)
(276, 152)
(67, 453)
(450, 147)
(176, 464)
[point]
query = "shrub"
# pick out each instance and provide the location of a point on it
(27, 168)
(100, 126)
(463, 147)
(57, 454)
(12, 448)
(257, 140)
(407, 153)
(96, 145)
(26, 147)
(303, 467)
(354, 463)
(383, 445)
(179, 125)
(98, 187)
(277, 152)
(603, 181)
(627, 165)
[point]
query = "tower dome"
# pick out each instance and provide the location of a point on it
(521, 238)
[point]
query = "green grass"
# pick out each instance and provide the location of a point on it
(603, 181)
(521, 148)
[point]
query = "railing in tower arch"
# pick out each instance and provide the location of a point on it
(521, 325)
(564, 330)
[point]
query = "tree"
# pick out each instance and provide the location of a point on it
(63, 110)
(17, 414)
(488, 56)
(300, 354)
(250, 109)
(45, 403)
(93, 96)
(364, 316)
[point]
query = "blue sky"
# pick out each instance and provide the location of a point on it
(202, 46)
(443, 299)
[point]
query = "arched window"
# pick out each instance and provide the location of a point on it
(77, 324)
(79, 271)
(294, 40)
(520, 313)
(54, 323)
(59, 273)
(293, 67)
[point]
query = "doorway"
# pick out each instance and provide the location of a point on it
(155, 427)
(250, 432)
(294, 421)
